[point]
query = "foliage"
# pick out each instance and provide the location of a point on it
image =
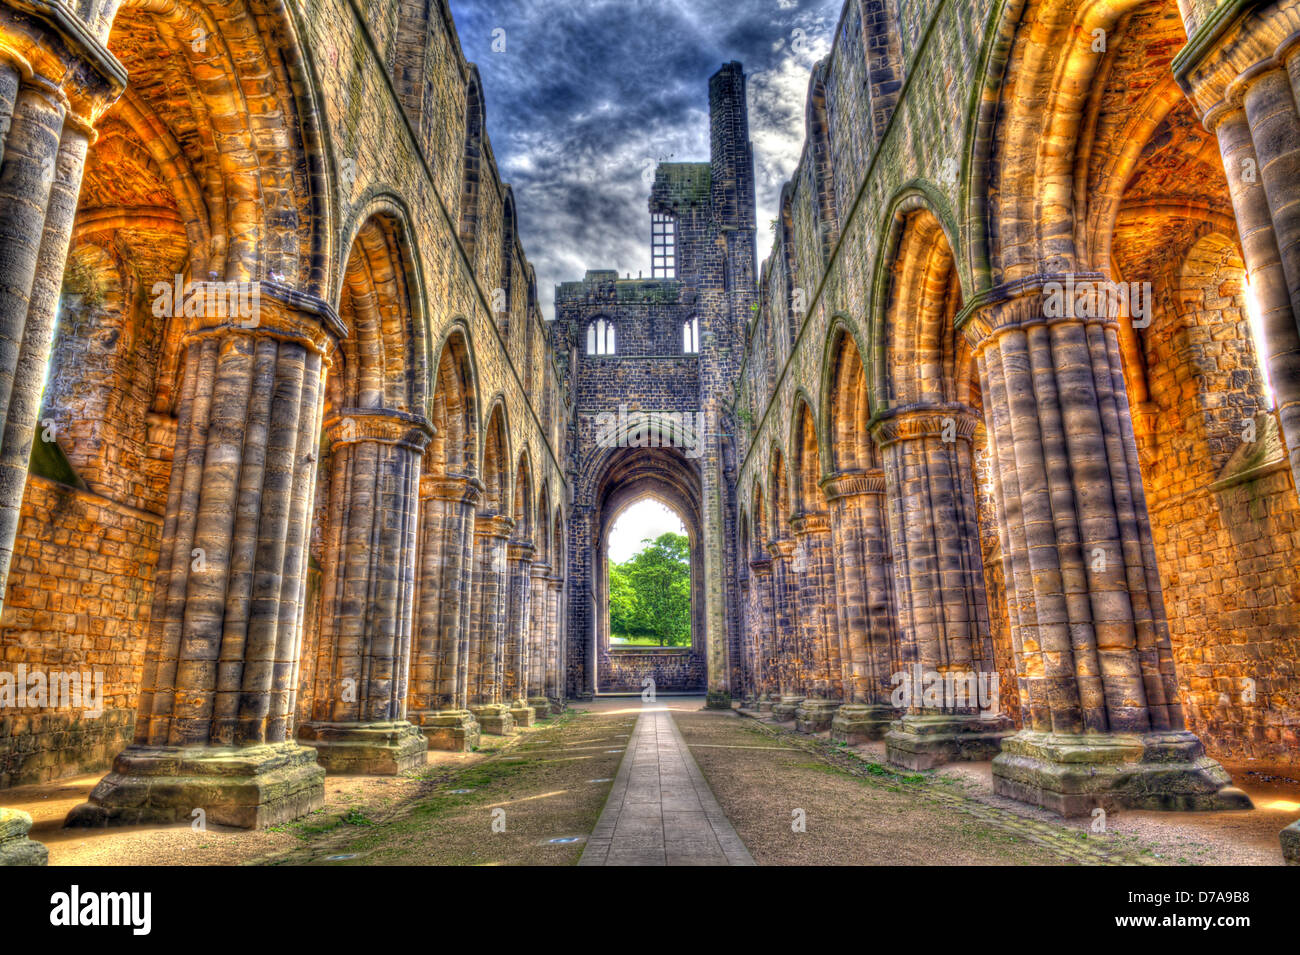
(650, 595)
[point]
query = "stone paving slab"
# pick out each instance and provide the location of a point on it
(660, 810)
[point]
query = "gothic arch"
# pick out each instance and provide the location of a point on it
(823, 171)
(381, 303)
(472, 163)
(805, 458)
(522, 511)
(496, 457)
(454, 449)
(847, 407)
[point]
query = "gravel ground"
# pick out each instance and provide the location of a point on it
(1132, 836)
(760, 780)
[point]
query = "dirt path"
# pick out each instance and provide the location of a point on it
(860, 813)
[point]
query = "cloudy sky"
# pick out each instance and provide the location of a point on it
(584, 96)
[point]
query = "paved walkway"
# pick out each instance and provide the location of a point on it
(661, 811)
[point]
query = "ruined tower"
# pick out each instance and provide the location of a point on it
(651, 363)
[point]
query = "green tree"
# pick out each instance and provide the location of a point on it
(650, 595)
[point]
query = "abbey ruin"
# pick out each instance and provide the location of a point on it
(993, 458)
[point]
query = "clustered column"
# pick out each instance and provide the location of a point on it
(539, 638)
(1102, 721)
(948, 679)
(439, 684)
(358, 718)
(519, 563)
(488, 646)
(1245, 83)
(813, 564)
(789, 661)
(556, 629)
(55, 82)
(214, 731)
(864, 587)
(762, 632)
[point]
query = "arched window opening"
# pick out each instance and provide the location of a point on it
(600, 337)
(691, 337)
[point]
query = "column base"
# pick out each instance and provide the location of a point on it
(524, 715)
(1290, 843)
(366, 749)
(860, 722)
(541, 705)
(15, 847)
(815, 715)
(785, 707)
(454, 731)
(926, 741)
(244, 787)
(494, 718)
(718, 700)
(558, 706)
(764, 704)
(1073, 774)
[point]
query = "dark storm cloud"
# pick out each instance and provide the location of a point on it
(587, 96)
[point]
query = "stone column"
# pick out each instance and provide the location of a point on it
(539, 638)
(358, 714)
(214, 730)
(519, 562)
(785, 640)
(947, 680)
(556, 629)
(864, 596)
(439, 694)
(1242, 75)
(1102, 725)
(55, 82)
(814, 578)
(488, 645)
(763, 633)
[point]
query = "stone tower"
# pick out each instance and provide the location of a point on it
(651, 364)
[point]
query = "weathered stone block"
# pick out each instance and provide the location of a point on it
(381, 749)
(924, 742)
(15, 847)
(859, 723)
(1072, 775)
(248, 788)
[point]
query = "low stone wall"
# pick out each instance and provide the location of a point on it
(674, 670)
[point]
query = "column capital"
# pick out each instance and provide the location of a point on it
(540, 570)
(261, 309)
(1240, 41)
(455, 488)
(814, 522)
(493, 525)
(761, 565)
(1054, 298)
(520, 550)
(948, 423)
(378, 426)
(853, 484)
(782, 549)
(46, 42)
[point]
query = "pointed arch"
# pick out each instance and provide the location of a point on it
(495, 469)
(522, 510)
(472, 162)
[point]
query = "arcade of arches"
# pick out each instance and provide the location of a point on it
(994, 457)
